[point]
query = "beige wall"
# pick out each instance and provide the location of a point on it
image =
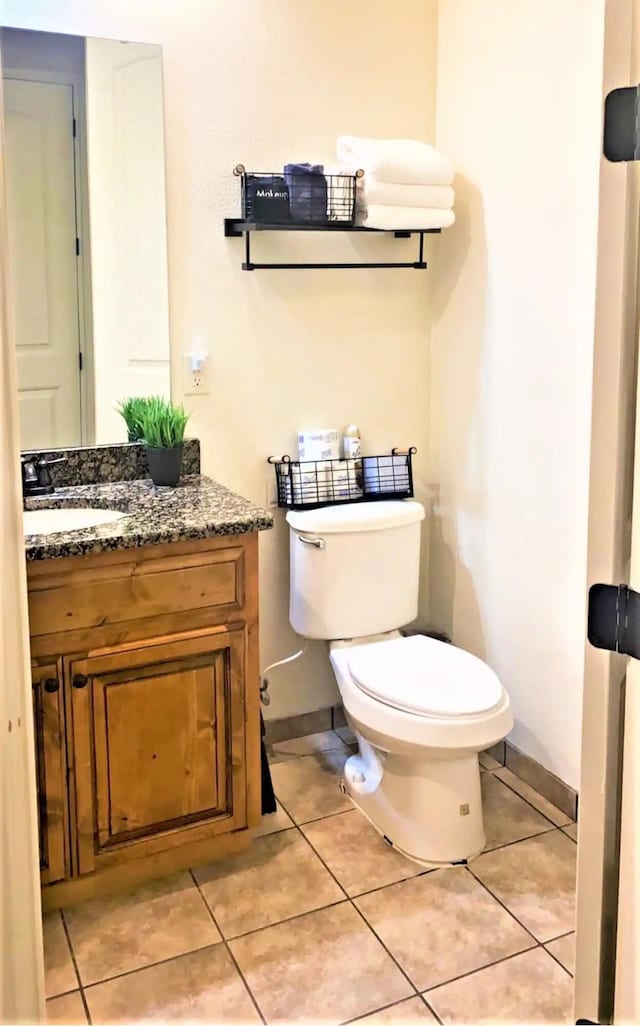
(519, 114)
(263, 82)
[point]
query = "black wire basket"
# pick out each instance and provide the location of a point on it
(297, 197)
(310, 484)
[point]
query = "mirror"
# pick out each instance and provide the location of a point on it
(84, 150)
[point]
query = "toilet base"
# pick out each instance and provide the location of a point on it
(430, 810)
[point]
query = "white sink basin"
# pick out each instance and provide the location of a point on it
(52, 521)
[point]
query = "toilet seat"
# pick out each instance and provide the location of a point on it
(425, 677)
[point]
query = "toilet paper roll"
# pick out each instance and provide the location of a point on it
(385, 474)
(318, 444)
(312, 483)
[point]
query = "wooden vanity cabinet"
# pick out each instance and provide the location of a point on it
(148, 741)
(51, 772)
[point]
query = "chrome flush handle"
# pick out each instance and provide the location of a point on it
(317, 543)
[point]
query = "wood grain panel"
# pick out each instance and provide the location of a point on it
(51, 772)
(159, 735)
(91, 598)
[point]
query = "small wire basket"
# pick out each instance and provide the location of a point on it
(310, 484)
(297, 198)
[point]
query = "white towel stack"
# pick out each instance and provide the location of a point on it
(407, 183)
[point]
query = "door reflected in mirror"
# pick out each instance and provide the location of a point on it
(84, 151)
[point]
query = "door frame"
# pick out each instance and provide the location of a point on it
(83, 261)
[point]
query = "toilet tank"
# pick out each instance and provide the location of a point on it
(354, 568)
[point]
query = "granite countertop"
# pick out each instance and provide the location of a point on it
(197, 508)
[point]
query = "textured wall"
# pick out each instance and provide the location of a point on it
(519, 113)
(263, 82)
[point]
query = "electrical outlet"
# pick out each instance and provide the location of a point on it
(196, 381)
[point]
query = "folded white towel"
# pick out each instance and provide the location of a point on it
(404, 161)
(391, 194)
(402, 218)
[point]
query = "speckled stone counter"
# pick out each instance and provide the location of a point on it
(103, 464)
(197, 508)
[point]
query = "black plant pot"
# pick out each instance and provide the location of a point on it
(165, 465)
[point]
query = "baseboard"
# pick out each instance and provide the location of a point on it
(532, 772)
(542, 780)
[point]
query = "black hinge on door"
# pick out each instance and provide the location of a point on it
(77, 246)
(614, 619)
(74, 128)
(622, 124)
(80, 360)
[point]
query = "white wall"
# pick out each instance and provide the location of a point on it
(519, 114)
(264, 82)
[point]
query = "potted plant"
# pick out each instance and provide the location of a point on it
(131, 410)
(163, 427)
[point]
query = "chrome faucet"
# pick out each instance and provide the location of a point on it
(36, 479)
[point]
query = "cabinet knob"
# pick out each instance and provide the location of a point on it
(79, 680)
(51, 685)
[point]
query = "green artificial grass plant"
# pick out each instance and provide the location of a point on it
(131, 410)
(163, 424)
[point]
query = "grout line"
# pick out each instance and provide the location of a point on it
(530, 803)
(366, 923)
(75, 966)
(518, 840)
(150, 965)
(555, 957)
(500, 902)
(228, 949)
(480, 968)
(393, 1004)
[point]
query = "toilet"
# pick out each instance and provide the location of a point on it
(421, 709)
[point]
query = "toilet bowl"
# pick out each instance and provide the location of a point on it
(422, 709)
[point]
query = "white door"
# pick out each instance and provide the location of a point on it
(627, 984)
(43, 262)
(125, 136)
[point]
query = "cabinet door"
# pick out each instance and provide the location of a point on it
(51, 772)
(159, 745)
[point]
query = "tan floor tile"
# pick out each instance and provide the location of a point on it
(572, 831)
(326, 965)
(67, 1010)
(59, 974)
(356, 854)
(544, 806)
(535, 879)
(441, 925)
(279, 877)
(308, 787)
(347, 735)
(507, 817)
(488, 762)
(402, 1014)
(310, 744)
(273, 823)
(203, 986)
(159, 920)
(564, 950)
(529, 988)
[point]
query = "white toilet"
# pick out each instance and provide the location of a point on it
(422, 709)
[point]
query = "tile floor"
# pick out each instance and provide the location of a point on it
(322, 921)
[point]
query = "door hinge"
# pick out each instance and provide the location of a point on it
(77, 246)
(80, 360)
(614, 619)
(74, 128)
(621, 136)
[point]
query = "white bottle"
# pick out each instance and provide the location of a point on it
(351, 443)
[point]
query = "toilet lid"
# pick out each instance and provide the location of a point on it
(426, 677)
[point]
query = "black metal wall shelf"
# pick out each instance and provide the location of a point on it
(236, 227)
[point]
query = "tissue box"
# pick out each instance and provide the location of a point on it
(319, 444)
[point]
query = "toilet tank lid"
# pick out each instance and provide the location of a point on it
(357, 516)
